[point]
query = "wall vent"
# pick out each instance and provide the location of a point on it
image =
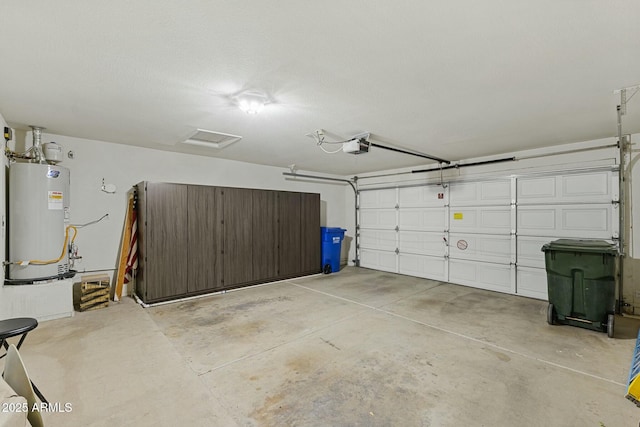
(211, 139)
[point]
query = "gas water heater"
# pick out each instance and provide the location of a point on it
(38, 218)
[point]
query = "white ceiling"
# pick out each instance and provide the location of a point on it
(455, 79)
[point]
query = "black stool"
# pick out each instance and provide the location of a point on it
(12, 328)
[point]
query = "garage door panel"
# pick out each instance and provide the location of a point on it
(478, 219)
(495, 277)
(480, 193)
(591, 187)
(409, 197)
(378, 198)
(532, 282)
(485, 220)
(423, 266)
(573, 221)
(535, 190)
(378, 218)
(529, 251)
(379, 260)
(538, 220)
(586, 219)
(480, 247)
(378, 239)
(422, 219)
(425, 243)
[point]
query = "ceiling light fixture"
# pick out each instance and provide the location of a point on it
(251, 102)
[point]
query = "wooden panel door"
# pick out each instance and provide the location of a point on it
(289, 239)
(205, 234)
(141, 207)
(265, 234)
(166, 241)
(238, 230)
(310, 244)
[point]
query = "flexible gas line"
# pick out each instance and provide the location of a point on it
(52, 261)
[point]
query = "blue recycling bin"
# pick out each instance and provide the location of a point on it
(331, 246)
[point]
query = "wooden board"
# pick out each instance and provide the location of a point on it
(95, 278)
(91, 295)
(94, 307)
(102, 299)
(124, 248)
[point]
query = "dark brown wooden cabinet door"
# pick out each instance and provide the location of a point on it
(289, 257)
(141, 208)
(265, 234)
(205, 234)
(166, 241)
(238, 244)
(310, 233)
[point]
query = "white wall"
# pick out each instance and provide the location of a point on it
(125, 166)
(559, 158)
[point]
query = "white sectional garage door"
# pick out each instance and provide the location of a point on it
(486, 234)
(481, 235)
(422, 225)
(573, 205)
(378, 218)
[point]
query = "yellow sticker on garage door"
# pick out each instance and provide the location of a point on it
(457, 215)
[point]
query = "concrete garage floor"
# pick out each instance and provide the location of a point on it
(356, 348)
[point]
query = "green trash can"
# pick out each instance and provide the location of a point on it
(581, 282)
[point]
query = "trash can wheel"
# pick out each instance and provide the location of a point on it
(611, 319)
(551, 315)
(327, 269)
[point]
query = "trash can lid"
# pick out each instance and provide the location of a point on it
(332, 230)
(581, 245)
